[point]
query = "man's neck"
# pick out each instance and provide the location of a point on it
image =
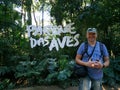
(92, 43)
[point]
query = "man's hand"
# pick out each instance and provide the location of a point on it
(98, 65)
(90, 64)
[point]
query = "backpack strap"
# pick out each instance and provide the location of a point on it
(101, 48)
(85, 48)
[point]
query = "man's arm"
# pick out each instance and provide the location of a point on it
(99, 65)
(80, 62)
(106, 62)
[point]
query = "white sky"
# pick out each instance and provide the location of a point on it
(38, 15)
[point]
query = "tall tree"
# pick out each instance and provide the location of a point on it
(102, 14)
(10, 24)
(27, 4)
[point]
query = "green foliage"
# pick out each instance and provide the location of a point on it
(24, 69)
(39, 66)
(112, 73)
(62, 71)
(47, 71)
(6, 84)
(88, 13)
(4, 70)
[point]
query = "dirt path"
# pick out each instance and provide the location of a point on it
(57, 88)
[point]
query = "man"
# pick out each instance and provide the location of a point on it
(95, 64)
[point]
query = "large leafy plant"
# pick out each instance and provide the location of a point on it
(60, 70)
(112, 73)
(47, 71)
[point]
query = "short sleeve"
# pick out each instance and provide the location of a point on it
(80, 49)
(105, 51)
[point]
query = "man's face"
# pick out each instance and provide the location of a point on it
(91, 36)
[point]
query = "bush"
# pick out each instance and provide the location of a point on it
(6, 84)
(48, 71)
(112, 73)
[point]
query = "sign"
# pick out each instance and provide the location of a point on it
(53, 36)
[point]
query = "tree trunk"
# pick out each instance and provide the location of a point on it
(35, 17)
(43, 15)
(28, 9)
